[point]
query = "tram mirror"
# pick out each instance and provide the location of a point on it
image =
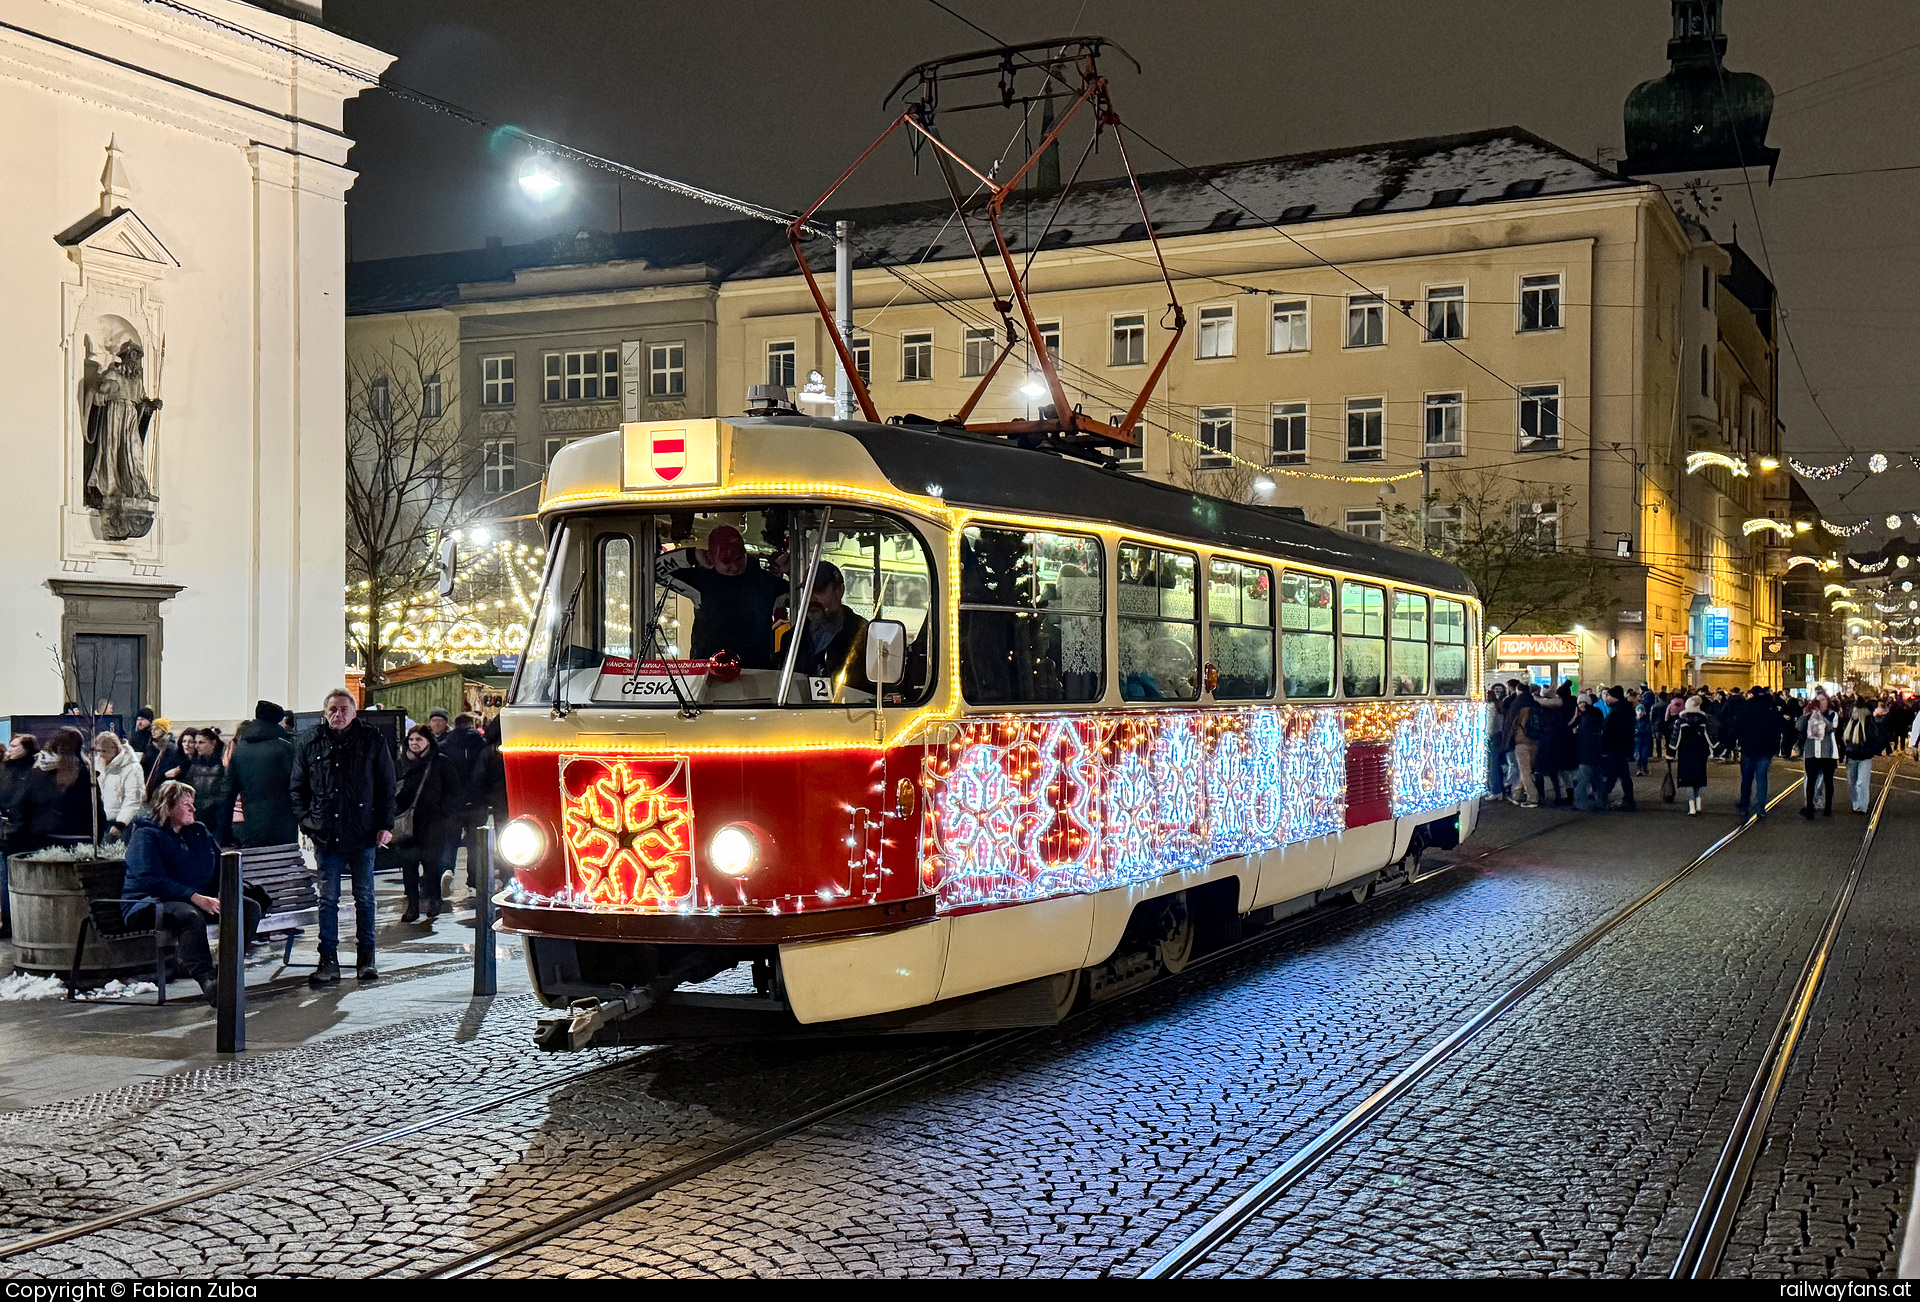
(886, 651)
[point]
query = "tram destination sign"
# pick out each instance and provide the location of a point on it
(670, 454)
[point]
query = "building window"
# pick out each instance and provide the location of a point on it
(1289, 433)
(916, 355)
(1366, 429)
(555, 443)
(1445, 529)
(1216, 332)
(583, 376)
(1050, 339)
(1216, 437)
(977, 348)
(1539, 418)
(780, 361)
(1540, 525)
(433, 401)
(1129, 341)
(496, 381)
(1446, 425)
(1540, 302)
(862, 350)
(1706, 288)
(496, 474)
(380, 398)
(1289, 325)
(1447, 312)
(1706, 373)
(1369, 524)
(1366, 321)
(1159, 634)
(667, 370)
(1128, 458)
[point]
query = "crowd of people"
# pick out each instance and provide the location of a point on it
(1566, 747)
(177, 801)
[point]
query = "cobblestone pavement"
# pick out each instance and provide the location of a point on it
(1830, 1189)
(1083, 1149)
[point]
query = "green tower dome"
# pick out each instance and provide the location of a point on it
(1700, 117)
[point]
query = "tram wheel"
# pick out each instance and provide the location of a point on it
(1174, 948)
(1066, 991)
(1358, 895)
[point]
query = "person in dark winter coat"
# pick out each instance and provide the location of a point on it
(59, 799)
(15, 769)
(1553, 720)
(1616, 750)
(173, 881)
(1861, 738)
(1819, 732)
(1757, 726)
(1692, 744)
(206, 772)
(489, 788)
(429, 789)
(1589, 726)
(262, 772)
(461, 746)
(342, 788)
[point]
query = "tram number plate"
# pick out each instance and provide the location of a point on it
(820, 689)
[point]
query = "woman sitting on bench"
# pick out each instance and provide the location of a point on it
(173, 881)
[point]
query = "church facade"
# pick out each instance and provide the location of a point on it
(171, 354)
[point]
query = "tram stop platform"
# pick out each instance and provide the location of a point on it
(53, 1049)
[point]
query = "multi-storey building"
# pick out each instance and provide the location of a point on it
(1540, 343)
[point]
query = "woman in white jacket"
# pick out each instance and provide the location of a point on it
(123, 786)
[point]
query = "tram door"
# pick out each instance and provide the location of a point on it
(888, 576)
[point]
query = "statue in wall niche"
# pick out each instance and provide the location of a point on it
(119, 423)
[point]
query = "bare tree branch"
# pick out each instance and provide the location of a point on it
(408, 470)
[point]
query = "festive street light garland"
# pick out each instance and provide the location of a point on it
(1846, 530)
(1819, 474)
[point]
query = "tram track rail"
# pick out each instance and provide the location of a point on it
(1230, 1220)
(1706, 1241)
(642, 1190)
(652, 1186)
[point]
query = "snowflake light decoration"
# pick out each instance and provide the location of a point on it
(1877, 463)
(628, 829)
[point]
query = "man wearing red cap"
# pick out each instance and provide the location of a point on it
(737, 595)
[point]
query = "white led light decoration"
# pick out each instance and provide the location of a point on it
(1819, 473)
(1701, 460)
(1877, 463)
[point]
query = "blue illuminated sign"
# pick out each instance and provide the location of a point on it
(1718, 626)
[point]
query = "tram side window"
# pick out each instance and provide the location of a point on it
(616, 595)
(1031, 615)
(1240, 624)
(1363, 644)
(1409, 644)
(1449, 648)
(1306, 636)
(1159, 633)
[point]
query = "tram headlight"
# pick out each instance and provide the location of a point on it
(522, 842)
(733, 850)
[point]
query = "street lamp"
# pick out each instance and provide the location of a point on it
(1033, 388)
(814, 391)
(1263, 487)
(538, 180)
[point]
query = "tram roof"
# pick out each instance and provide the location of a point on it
(992, 474)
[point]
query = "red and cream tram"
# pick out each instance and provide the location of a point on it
(1043, 724)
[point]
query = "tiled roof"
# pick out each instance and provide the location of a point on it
(1478, 167)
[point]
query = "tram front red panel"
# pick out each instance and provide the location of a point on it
(823, 819)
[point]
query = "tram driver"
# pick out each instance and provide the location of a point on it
(737, 596)
(834, 643)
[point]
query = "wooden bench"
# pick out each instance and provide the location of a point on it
(280, 870)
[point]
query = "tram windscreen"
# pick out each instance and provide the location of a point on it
(708, 624)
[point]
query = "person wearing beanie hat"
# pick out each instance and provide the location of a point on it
(1692, 743)
(262, 768)
(142, 739)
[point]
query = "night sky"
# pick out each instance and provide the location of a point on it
(748, 99)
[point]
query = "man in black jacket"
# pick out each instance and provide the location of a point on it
(342, 788)
(1616, 749)
(1757, 727)
(463, 746)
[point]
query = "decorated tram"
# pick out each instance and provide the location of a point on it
(841, 727)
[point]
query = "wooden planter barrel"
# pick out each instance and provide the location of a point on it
(49, 903)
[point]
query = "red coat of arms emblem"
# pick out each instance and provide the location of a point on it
(669, 457)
